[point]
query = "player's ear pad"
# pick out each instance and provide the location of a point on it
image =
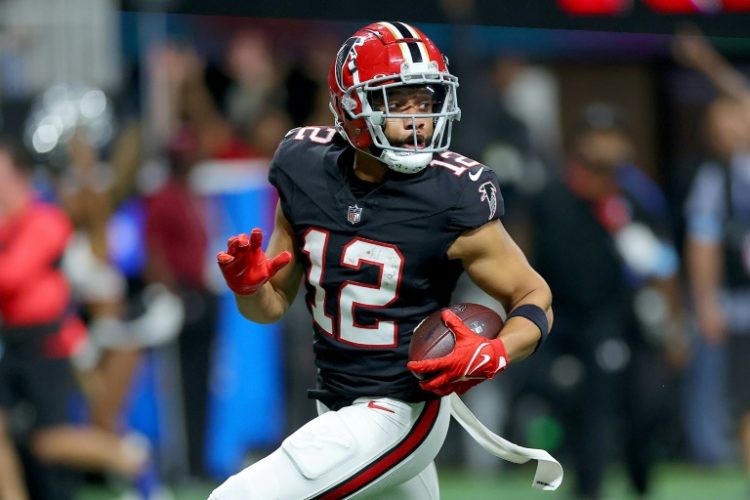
(320, 445)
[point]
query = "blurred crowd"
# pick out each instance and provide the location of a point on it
(647, 253)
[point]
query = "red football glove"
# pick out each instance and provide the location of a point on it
(245, 266)
(474, 359)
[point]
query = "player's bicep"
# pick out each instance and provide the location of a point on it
(497, 265)
(287, 280)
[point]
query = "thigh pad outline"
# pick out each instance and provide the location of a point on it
(321, 445)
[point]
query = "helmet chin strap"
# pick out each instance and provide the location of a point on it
(406, 163)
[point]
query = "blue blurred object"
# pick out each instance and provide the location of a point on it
(147, 483)
(144, 407)
(246, 407)
(705, 413)
(146, 412)
(641, 187)
(125, 232)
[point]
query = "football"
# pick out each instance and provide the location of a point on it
(432, 339)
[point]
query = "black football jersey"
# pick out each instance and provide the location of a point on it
(374, 255)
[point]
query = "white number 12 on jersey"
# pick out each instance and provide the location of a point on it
(353, 294)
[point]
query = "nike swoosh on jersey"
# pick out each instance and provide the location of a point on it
(475, 175)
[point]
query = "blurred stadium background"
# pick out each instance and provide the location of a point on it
(114, 99)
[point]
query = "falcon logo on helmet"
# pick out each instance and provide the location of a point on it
(343, 54)
(378, 61)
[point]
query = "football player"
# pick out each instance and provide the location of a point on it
(379, 219)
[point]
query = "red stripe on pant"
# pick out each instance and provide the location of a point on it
(389, 459)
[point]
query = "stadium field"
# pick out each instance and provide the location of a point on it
(671, 482)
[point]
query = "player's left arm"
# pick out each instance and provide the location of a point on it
(498, 266)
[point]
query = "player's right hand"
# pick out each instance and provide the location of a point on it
(245, 266)
(473, 359)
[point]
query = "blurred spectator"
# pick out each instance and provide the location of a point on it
(39, 333)
(601, 238)
(181, 98)
(92, 192)
(98, 287)
(306, 83)
(255, 75)
(717, 215)
(494, 136)
(706, 385)
(264, 134)
(11, 475)
(177, 241)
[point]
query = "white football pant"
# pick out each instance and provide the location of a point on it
(377, 446)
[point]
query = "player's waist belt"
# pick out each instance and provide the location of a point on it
(549, 472)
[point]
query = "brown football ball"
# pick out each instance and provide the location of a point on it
(432, 339)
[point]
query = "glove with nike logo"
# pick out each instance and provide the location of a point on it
(245, 266)
(474, 359)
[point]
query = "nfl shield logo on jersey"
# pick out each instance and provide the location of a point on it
(354, 214)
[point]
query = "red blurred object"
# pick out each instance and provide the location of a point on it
(736, 5)
(65, 343)
(176, 233)
(595, 7)
(684, 6)
(33, 291)
(612, 213)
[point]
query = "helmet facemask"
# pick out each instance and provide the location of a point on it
(377, 101)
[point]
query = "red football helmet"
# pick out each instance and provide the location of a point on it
(370, 66)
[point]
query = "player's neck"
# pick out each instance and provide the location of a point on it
(368, 168)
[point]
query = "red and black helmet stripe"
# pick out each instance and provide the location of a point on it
(388, 460)
(401, 27)
(416, 54)
(409, 40)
